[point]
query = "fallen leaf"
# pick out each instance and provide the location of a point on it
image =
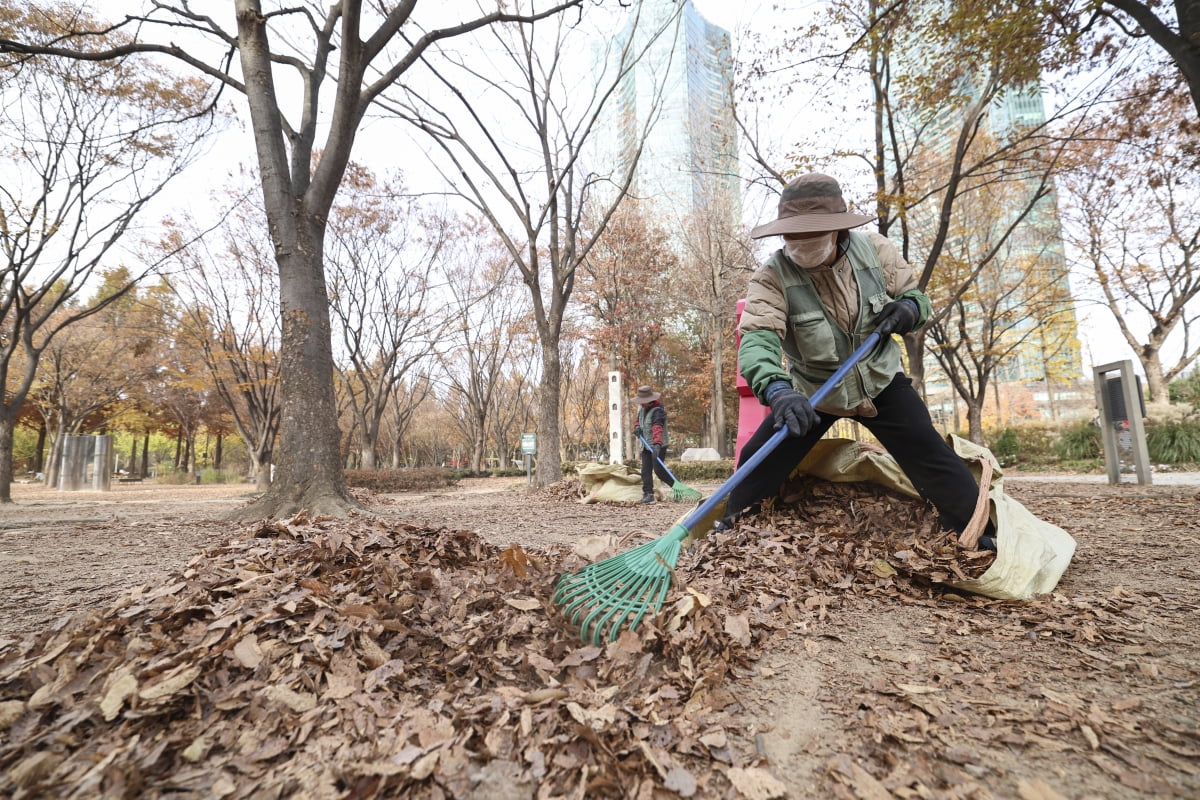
(756, 783)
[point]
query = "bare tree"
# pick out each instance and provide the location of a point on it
(1009, 295)
(360, 50)
(84, 149)
(1111, 24)
(1134, 220)
(485, 309)
(383, 259)
(717, 262)
(229, 312)
(538, 191)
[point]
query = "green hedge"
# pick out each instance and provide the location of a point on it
(694, 471)
(1173, 442)
(393, 481)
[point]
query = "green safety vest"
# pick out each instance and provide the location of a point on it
(816, 345)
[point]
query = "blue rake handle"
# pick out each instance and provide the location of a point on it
(736, 479)
(659, 460)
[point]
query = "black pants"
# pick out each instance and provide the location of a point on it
(650, 468)
(903, 427)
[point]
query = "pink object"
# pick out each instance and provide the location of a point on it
(751, 413)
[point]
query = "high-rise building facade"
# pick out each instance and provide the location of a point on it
(679, 98)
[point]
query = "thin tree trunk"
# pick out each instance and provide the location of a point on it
(39, 464)
(717, 407)
(975, 421)
(549, 460)
(6, 470)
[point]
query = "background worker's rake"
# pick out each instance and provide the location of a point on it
(680, 491)
(618, 592)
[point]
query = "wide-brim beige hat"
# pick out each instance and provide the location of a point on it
(812, 203)
(645, 395)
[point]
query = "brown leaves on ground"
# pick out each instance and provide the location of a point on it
(360, 659)
(568, 489)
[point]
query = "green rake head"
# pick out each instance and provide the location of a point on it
(683, 493)
(607, 596)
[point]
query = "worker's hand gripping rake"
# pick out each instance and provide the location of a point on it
(604, 597)
(680, 491)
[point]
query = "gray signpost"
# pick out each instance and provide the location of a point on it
(529, 448)
(1119, 398)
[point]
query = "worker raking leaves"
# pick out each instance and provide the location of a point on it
(816, 299)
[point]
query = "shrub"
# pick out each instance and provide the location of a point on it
(1186, 390)
(174, 478)
(391, 481)
(1006, 448)
(1173, 442)
(1079, 442)
(702, 471)
(221, 476)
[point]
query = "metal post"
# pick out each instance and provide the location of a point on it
(1119, 400)
(102, 463)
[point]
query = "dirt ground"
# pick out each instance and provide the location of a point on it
(1090, 692)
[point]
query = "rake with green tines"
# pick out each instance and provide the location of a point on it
(618, 592)
(679, 490)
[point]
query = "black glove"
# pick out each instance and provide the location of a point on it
(793, 409)
(898, 316)
(660, 452)
(637, 430)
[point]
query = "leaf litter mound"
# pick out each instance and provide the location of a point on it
(359, 658)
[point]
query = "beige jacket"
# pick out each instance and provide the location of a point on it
(766, 307)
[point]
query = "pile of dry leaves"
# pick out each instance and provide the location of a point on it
(567, 489)
(358, 659)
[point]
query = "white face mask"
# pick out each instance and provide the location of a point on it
(810, 253)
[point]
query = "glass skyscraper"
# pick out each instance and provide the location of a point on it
(682, 91)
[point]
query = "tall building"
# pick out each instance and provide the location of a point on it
(1028, 280)
(1055, 349)
(681, 91)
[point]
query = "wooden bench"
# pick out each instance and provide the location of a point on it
(130, 479)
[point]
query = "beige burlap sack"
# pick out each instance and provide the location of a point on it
(1031, 555)
(610, 483)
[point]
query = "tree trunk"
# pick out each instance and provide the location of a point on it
(308, 465)
(1156, 385)
(549, 460)
(39, 463)
(146, 454)
(366, 454)
(262, 474)
(717, 407)
(6, 448)
(975, 420)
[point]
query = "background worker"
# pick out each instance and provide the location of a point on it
(652, 427)
(816, 300)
